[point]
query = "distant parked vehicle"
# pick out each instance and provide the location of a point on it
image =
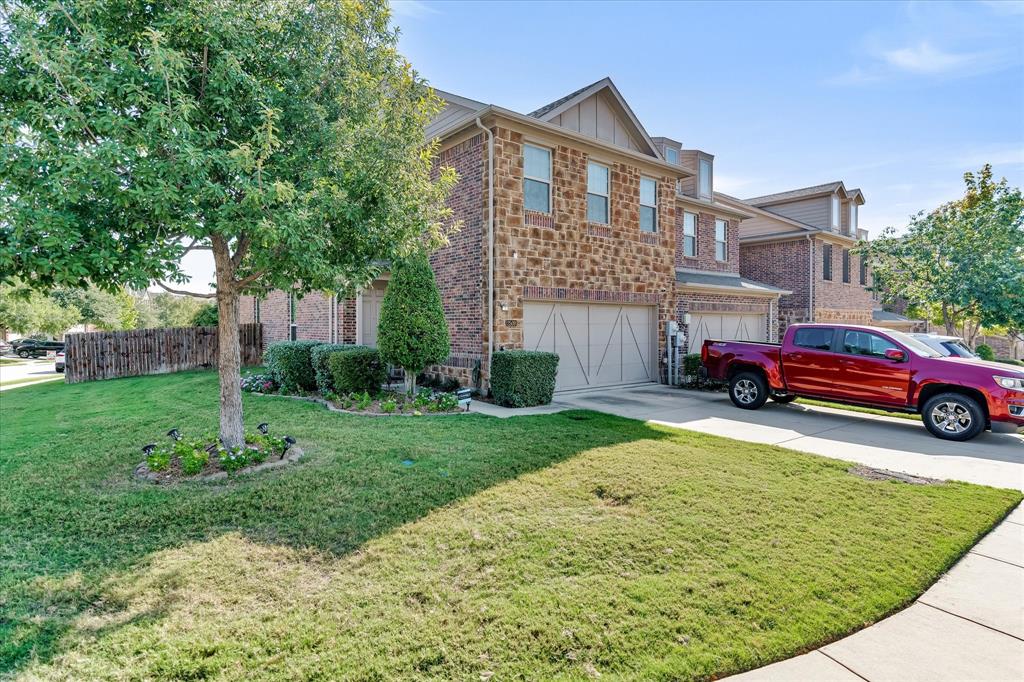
(34, 348)
(949, 346)
(5, 348)
(58, 361)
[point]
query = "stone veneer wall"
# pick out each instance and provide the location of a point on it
(562, 256)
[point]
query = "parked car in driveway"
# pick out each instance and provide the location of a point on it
(35, 348)
(946, 345)
(957, 397)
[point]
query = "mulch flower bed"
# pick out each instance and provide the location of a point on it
(207, 459)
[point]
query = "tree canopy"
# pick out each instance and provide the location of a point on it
(285, 136)
(963, 261)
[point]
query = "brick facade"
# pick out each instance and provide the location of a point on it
(705, 256)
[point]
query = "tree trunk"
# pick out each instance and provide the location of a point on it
(948, 322)
(229, 360)
(410, 382)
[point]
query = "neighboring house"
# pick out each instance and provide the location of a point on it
(803, 240)
(602, 236)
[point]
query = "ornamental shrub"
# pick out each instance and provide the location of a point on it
(357, 369)
(985, 352)
(691, 364)
(290, 365)
(521, 378)
(322, 373)
(1010, 361)
(413, 332)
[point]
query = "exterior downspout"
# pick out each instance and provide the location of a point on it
(490, 245)
(810, 278)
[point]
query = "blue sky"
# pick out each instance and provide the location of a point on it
(898, 99)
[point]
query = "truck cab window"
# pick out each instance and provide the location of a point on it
(813, 338)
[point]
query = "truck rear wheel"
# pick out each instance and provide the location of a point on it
(953, 416)
(748, 390)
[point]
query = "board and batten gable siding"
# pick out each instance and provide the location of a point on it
(815, 211)
(761, 225)
(596, 116)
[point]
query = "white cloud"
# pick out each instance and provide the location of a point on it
(923, 58)
(412, 8)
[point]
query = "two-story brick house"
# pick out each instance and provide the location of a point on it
(805, 240)
(580, 234)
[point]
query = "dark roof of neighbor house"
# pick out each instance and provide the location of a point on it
(880, 315)
(729, 280)
(796, 193)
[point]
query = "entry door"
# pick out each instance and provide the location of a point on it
(371, 298)
(597, 344)
(811, 365)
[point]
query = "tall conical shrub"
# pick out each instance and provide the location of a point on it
(413, 332)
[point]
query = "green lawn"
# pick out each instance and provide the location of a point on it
(557, 546)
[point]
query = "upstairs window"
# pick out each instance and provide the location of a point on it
(648, 205)
(835, 212)
(846, 266)
(826, 262)
(721, 240)
(597, 193)
(255, 308)
(863, 270)
(672, 155)
(704, 179)
(536, 179)
(853, 218)
(690, 234)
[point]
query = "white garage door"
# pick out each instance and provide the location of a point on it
(597, 344)
(726, 327)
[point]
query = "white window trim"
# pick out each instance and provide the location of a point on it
(655, 206)
(724, 241)
(694, 235)
(548, 182)
(674, 150)
(607, 195)
(711, 177)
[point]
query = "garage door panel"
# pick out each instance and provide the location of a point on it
(726, 327)
(597, 344)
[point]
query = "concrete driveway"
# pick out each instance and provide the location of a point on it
(25, 372)
(881, 442)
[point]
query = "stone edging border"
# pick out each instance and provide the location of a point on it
(293, 454)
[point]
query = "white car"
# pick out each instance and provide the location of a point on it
(947, 345)
(58, 361)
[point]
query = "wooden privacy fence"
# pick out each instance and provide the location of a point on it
(108, 355)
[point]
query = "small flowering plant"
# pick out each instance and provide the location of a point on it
(259, 383)
(190, 456)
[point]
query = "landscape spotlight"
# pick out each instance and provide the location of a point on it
(263, 428)
(175, 434)
(148, 449)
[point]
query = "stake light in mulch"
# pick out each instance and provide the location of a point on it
(263, 428)
(175, 434)
(148, 449)
(212, 448)
(288, 443)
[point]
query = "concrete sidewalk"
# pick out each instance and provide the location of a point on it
(968, 626)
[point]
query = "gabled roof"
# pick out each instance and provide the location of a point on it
(794, 194)
(605, 85)
(728, 281)
(746, 205)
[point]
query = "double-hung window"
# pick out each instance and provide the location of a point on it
(598, 178)
(721, 240)
(293, 328)
(690, 234)
(846, 266)
(863, 269)
(648, 205)
(853, 218)
(672, 155)
(704, 178)
(835, 212)
(536, 178)
(826, 262)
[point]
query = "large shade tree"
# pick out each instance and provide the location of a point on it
(284, 136)
(962, 262)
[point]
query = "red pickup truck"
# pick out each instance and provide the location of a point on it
(957, 398)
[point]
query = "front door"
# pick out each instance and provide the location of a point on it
(810, 366)
(369, 319)
(866, 375)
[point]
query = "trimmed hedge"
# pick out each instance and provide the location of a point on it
(321, 372)
(522, 378)
(290, 365)
(691, 364)
(357, 369)
(985, 352)
(1010, 361)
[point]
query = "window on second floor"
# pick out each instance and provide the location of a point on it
(536, 178)
(704, 178)
(863, 270)
(721, 240)
(853, 218)
(826, 262)
(690, 234)
(846, 266)
(835, 211)
(598, 177)
(648, 205)
(672, 155)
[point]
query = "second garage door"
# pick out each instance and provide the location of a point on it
(726, 327)
(597, 344)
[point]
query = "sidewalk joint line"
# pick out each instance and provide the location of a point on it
(1004, 561)
(809, 435)
(970, 620)
(837, 661)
